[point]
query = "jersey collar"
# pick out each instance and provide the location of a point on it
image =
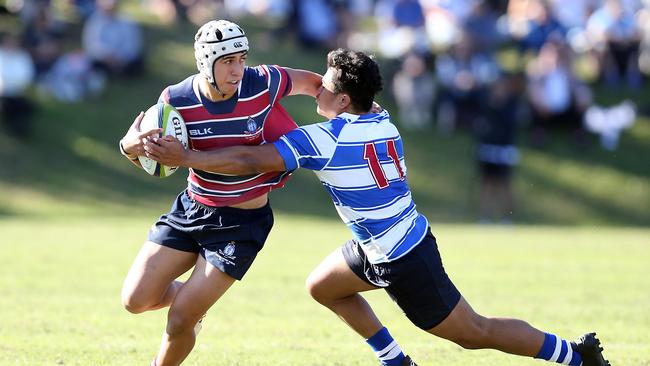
(352, 118)
(349, 117)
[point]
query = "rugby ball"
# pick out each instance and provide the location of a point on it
(165, 116)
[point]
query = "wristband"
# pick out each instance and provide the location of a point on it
(123, 152)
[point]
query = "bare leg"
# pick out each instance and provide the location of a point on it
(204, 287)
(334, 285)
(473, 331)
(150, 283)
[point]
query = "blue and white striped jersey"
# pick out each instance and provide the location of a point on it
(360, 161)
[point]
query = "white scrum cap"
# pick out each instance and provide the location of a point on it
(215, 39)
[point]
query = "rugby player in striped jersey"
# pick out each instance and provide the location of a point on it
(220, 222)
(359, 158)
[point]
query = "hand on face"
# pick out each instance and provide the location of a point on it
(329, 103)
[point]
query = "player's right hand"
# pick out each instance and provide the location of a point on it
(133, 140)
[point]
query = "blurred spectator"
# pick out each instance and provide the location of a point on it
(73, 78)
(199, 11)
(43, 37)
(414, 91)
(28, 9)
(614, 33)
(496, 153)
(481, 26)
(317, 23)
(85, 8)
(195, 11)
(269, 10)
(113, 42)
(407, 13)
(644, 24)
(542, 25)
(464, 76)
(358, 25)
(557, 98)
(458, 10)
(16, 75)
(516, 19)
(442, 24)
(499, 6)
(401, 28)
(573, 14)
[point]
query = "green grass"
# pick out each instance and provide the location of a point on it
(73, 213)
(61, 281)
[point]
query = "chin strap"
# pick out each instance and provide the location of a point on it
(216, 87)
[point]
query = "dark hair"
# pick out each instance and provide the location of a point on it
(359, 77)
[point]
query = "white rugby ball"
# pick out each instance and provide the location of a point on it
(165, 116)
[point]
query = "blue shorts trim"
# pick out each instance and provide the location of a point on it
(228, 238)
(417, 282)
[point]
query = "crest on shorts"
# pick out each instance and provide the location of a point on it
(229, 250)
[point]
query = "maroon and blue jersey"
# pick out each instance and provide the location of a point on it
(253, 116)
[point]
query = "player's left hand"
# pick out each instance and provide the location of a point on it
(166, 150)
(376, 108)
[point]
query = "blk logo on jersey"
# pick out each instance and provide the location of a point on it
(201, 132)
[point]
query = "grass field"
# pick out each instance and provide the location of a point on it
(73, 214)
(61, 280)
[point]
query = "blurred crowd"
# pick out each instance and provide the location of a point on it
(485, 67)
(65, 64)
(489, 68)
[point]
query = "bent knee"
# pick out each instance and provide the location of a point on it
(316, 289)
(132, 305)
(136, 302)
(179, 322)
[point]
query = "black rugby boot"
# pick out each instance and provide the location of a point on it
(408, 362)
(589, 348)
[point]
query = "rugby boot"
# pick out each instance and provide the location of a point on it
(408, 362)
(589, 348)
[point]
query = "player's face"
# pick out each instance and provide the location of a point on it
(329, 103)
(228, 72)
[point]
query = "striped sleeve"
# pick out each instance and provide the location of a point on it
(279, 81)
(309, 147)
(164, 96)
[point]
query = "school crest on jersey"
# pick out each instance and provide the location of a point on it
(251, 126)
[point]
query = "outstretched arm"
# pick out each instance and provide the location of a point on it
(304, 82)
(236, 160)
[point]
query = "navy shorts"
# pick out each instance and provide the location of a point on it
(417, 282)
(228, 238)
